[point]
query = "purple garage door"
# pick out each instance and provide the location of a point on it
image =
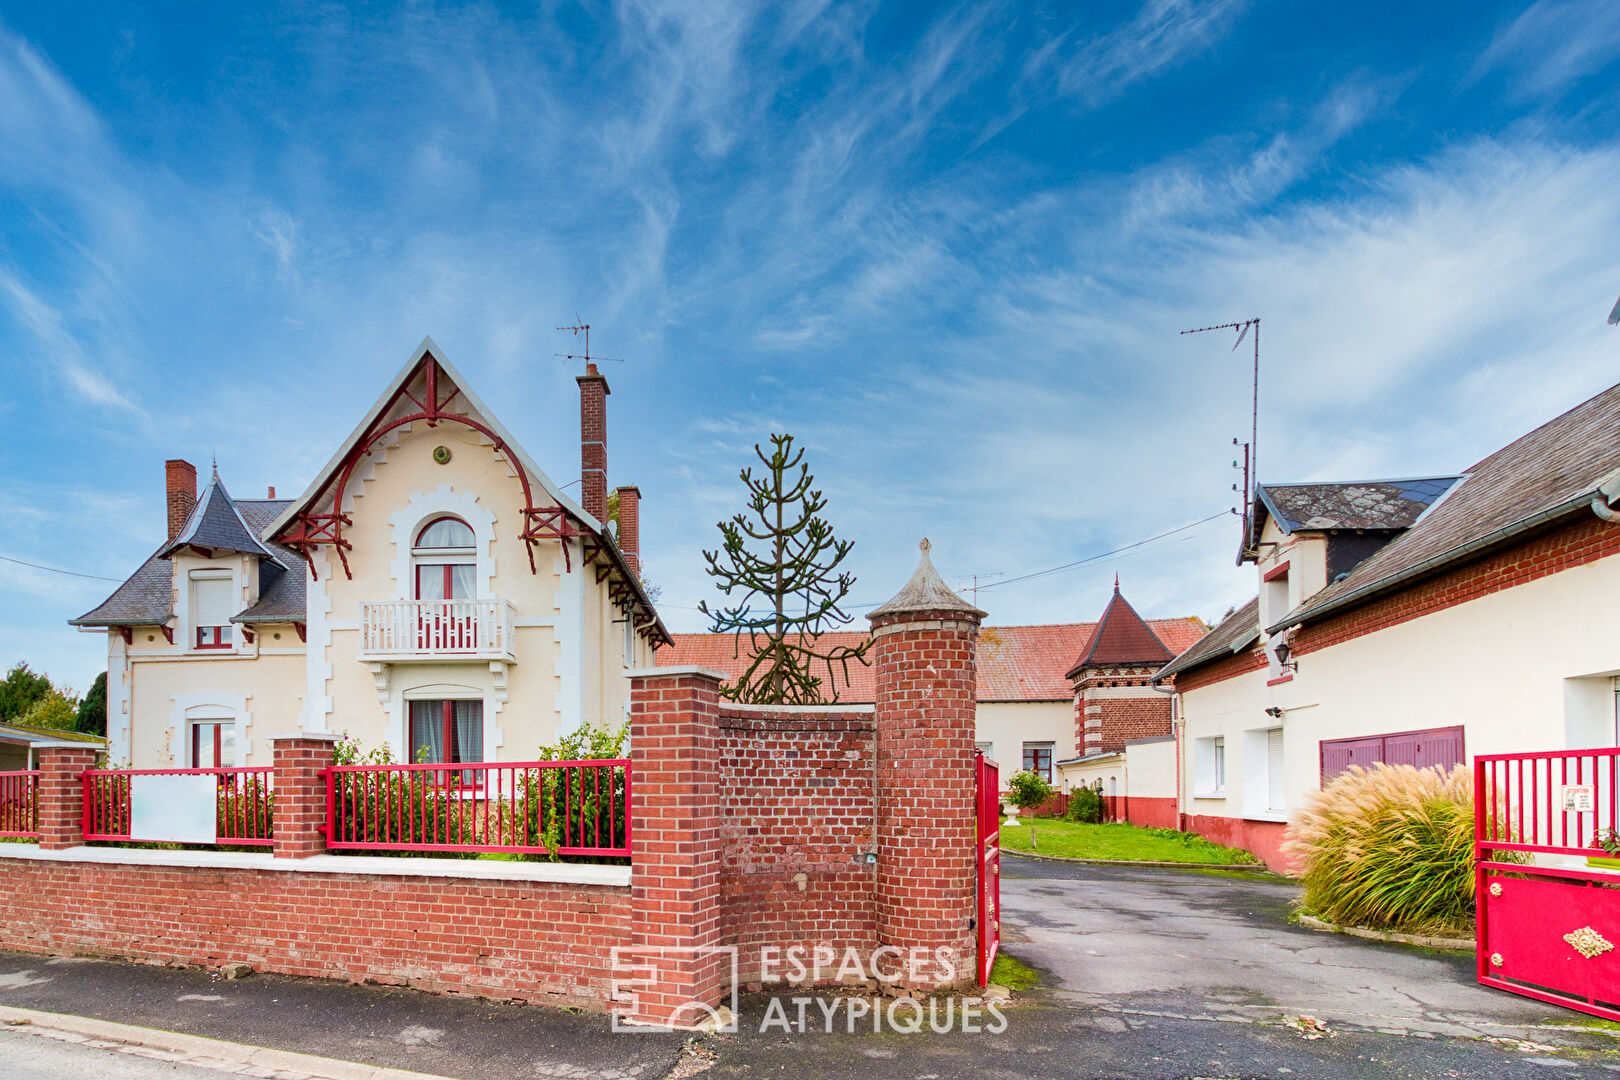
(1437, 747)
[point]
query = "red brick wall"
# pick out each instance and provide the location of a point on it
(531, 941)
(1586, 540)
(1142, 713)
(796, 799)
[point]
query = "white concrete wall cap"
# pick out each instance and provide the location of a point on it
(673, 670)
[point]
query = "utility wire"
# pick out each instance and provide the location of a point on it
(1051, 569)
(54, 570)
(1105, 554)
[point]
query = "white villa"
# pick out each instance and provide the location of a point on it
(432, 589)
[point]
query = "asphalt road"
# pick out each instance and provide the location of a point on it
(1150, 975)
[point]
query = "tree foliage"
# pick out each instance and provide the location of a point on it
(21, 690)
(58, 710)
(92, 719)
(778, 566)
(1027, 790)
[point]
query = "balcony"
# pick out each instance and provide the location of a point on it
(396, 630)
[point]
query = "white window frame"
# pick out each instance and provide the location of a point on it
(1209, 767)
(193, 624)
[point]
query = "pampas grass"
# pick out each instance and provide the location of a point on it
(1390, 847)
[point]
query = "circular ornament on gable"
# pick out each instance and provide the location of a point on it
(441, 454)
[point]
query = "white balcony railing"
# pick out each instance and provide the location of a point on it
(437, 630)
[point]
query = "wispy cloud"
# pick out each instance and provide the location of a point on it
(1553, 44)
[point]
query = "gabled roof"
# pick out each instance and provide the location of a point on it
(147, 597)
(1553, 473)
(1015, 663)
(475, 407)
(1355, 504)
(1122, 637)
(395, 404)
(1231, 636)
(215, 523)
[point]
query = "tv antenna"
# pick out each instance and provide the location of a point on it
(585, 328)
(1251, 456)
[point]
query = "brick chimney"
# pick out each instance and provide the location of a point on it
(180, 492)
(593, 392)
(630, 526)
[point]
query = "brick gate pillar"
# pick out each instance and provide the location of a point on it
(61, 795)
(925, 641)
(299, 826)
(674, 849)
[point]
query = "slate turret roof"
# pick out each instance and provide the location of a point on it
(147, 597)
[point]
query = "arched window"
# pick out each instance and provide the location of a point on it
(445, 560)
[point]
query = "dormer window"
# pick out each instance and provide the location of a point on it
(211, 608)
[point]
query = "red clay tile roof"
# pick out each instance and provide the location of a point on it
(1122, 638)
(1016, 663)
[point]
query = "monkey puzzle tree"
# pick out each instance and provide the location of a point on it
(784, 562)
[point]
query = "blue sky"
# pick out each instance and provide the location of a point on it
(949, 247)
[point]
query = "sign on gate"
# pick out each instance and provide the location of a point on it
(1547, 893)
(987, 798)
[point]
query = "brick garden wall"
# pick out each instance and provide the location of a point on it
(796, 796)
(527, 941)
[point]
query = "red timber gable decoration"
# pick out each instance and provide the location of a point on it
(318, 518)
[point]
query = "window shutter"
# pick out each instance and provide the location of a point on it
(211, 601)
(1274, 769)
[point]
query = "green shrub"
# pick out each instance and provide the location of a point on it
(1085, 805)
(1391, 847)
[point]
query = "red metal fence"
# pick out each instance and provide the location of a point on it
(19, 803)
(244, 804)
(1547, 893)
(560, 807)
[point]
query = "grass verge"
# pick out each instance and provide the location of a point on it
(1077, 840)
(1013, 973)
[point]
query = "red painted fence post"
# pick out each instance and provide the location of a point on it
(675, 847)
(61, 795)
(299, 823)
(924, 651)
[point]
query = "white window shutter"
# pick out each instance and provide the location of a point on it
(211, 601)
(1274, 769)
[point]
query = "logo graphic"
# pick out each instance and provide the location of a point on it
(643, 976)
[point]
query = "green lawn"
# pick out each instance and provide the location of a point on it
(1075, 840)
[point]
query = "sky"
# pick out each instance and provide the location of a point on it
(948, 247)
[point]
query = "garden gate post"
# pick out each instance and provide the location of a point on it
(926, 640)
(675, 847)
(60, 800)
(300, 762)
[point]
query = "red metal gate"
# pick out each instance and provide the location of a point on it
(1548, 906)
(987, 797)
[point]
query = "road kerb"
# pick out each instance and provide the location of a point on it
(198, 1046)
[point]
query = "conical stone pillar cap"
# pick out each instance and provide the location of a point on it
(926, 592)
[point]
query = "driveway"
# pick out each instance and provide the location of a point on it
(1217, 945)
